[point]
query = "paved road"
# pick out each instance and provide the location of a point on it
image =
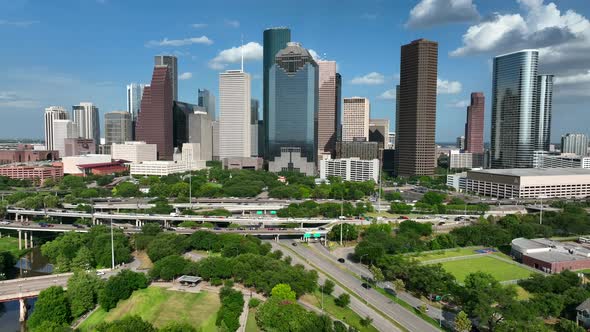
(393, 310)
(379, 322)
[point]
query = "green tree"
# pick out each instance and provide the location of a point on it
(83, 260)
(48, 326)
(83, 289)
(126, 189)
(328, 287)
(178, 327)
(433, 198)
(566, 325)
(343, 300)
(168, 268)
(126, 324)
(165, 244)
(120, 287)
(349, 232)
(462, 322)
(401, 208)
(151, 228)
(51, 306)
(393, 196)
(50, 201)
(7, 261)
(366, 321)
(377, 273)
(283, 292)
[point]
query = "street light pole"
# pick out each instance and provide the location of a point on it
(541, 217)
(112, 247)
(190, 189)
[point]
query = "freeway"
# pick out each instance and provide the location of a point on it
(162, 217)
(358, 306)
(129, 229)
(393, 310)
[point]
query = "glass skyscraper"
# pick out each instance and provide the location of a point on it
(293, 108)
(207, 100)
(544, 105)
(514, 109)
(275, 39)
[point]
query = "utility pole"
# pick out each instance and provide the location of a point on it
(341, 233)
(190, 190)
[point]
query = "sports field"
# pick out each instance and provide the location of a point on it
(501, 270)
(432, 255)
(160, 307)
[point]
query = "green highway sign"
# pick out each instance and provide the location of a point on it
(258, 212)
(273, 212)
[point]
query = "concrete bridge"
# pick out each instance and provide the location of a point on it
(139, 218)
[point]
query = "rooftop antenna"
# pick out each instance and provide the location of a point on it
(242, 49)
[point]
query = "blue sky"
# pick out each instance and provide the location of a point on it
(62, 52)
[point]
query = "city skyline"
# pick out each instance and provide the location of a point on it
(373, 75)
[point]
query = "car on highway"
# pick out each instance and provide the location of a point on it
(403, 217)
(341, 260)
(4, 222)
(294, 244)
(99, 273)
(366, 285)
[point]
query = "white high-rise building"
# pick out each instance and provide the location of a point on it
(134, 95)
(134, 151)
(350, 169)
(52, 113)
(63, 129)
(355, 123)
(574, 143)
(87, 121)
(234, 114)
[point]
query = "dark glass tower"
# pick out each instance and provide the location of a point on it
(544, 106)
(514, 109)
(275, 39)
(293, 103)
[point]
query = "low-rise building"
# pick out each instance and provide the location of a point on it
(79, 146)
(457, 181)
(550, 256)
(158, 167)
(109, 168)
(70, 164)
(135, 151)
(465, 160)
(545, 159)
(350, 169)
(530, 182)
(24, 153)
(292, 159)
(191, 156)
(37, 174)
(243, 163)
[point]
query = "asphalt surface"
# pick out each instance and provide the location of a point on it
(393, 310)
(361, 308)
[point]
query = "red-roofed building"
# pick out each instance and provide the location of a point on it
(116, 166)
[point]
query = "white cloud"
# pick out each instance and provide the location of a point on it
(180, 42)
(388, 95)
(232, 23)
(428, 13)
(573, 79)
(199, 25)
(444, 87)
(252, 52)
(460, 103)
(185, 76)
(19, 24)
(372, 78)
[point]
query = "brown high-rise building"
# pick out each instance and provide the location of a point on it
(417, 109)
(474, 124)
(154, 123)
(327, 109)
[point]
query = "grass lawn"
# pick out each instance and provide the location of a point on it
(345, 314)
(160, 307)
(251, 322)
(10, 244)
(502, 271)
(432, 255)
(522, 294)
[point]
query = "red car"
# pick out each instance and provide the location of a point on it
(404, 217)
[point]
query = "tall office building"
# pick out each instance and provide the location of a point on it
(338, 107)
(514, 109)
(180, 122)
(416, 118)
(200, 131)
(134, 94)
(274, 40)
(215, 139)
(154, 123)
(379, 132)
(574, 143)
(87, 121)
(327, 109)
(117, 127)
(355, 121)
(396, 115)
(254, 105)
(52, 113)
(475, 124)
(63, 129)
(234, 114)
(207, 100)
(293, 109)
(172, 63)
(544, 106)
(461, 142)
